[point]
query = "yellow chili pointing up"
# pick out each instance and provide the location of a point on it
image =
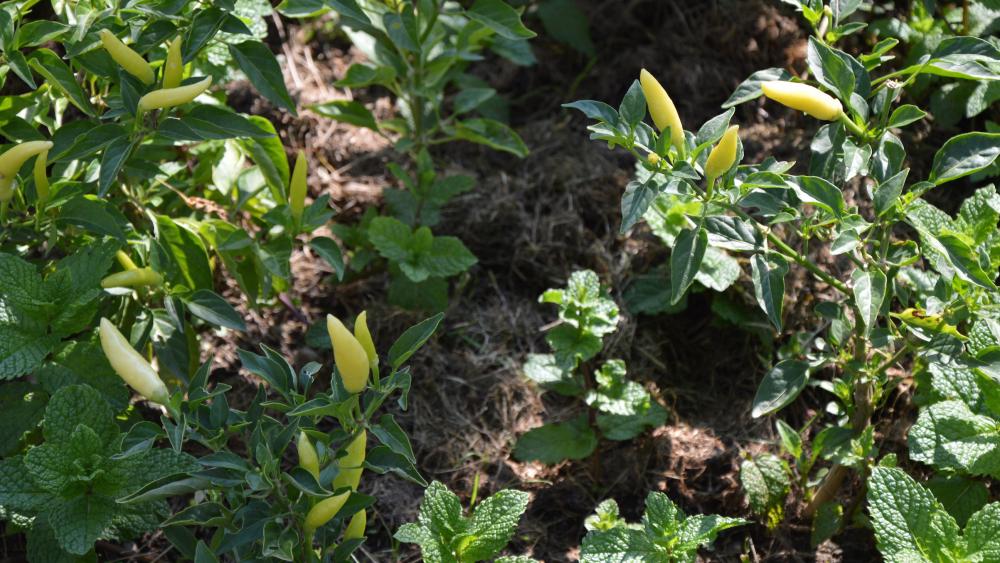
(356, 528)
(804, 98)
(723, 156)
(308, 459)
(364, 336)
(11, 161)
(297, 187)
(170, 97)
(349, 355)
(132, 62)
(323, 511)
(173, 66)
(352, 464)
(662, 108)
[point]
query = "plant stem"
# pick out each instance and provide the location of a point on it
(805, 263)
(853, 127)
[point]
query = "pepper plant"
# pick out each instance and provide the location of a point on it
(623, 409)
(904, 281)
(420, 52)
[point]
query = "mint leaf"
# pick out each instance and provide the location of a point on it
(620, 545)
(431, 549)
(23, 406)
(910, 524)
(948, 435)
(18, 492)
(79, 404)
(626, 408)
(441, 512)
(982, 534)
(493, 525)
(79, 522)
(765, 479)
(960, 496)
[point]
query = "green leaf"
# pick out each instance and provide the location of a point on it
(780, 387)
(869, 294)
(188, 259)
(329, 251)
(210, 306)
(983, 534)
(905, 115)
(819, 192)
(960, 496)
(768, 275)
(750, 89)
(685, 260)
(827, 522)
(556, 442)
(59, 75)
(23, 406)
(910, 524)
(948, 435)
(765, 479)
(412, 340)
(636, 200)
(75, 405)
(492, 525)
(626, 408)
(500, 17)
(112, 160)
(269, 155)
(567, 23)
(258, 62)
(94, 215)
(80, 521)
(347, 111)
(491, 133)
(963, 155)
(548, 373)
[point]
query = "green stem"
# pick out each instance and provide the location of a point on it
(853, 127)
(805, 263)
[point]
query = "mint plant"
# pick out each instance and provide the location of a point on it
(912, 525)
(71, 487)
(765, 478)
(624, 408)
(665, 533)
(446, 535)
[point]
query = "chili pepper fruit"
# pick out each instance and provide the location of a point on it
(130, 365)
(173, 66)
(132, 62)
(124, 260)
(139, 277)
(804, 98)
(41, 179)
(723, 156)
(11, 161)
(323, 511)
(356, 527)
(349, 355)
(364, 336)
(170, 97)
(352, 464)
(308, 458)
(297, 187)
(662, 108)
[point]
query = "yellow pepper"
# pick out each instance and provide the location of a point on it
(125, 261)
(323, 511)
(130, 365)
(723, 156)
(356, 527)
(170, 97)
(132, 62)
(308, 458)
(352, 464)
(662, 108)
(805, 98)
(297, 187)
(11, 161)
(139, 277)
(41, 179)
(364, 336)
(173, 66)
(349, 355)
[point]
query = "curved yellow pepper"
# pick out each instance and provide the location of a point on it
(11, 161)
(349, 355)
(723, 156)
(323, 511)
(124, 260)
(173, 66)
(356, 527)
(41, 179)
(352, 464)
(297, 187)
(662, 108)
(139, 277)
(364, 336)
(170, 97)
(132, 62)
(130, 365)
(308, 458)
(804, 98)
